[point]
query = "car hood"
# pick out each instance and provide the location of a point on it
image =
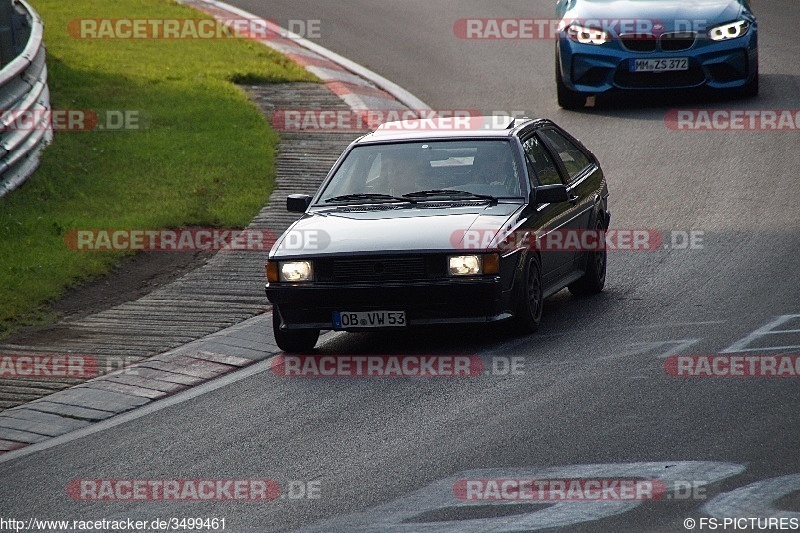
(669, 13)
(390, 230)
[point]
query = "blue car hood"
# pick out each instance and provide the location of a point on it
(670, 13)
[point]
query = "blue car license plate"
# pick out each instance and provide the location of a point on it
(659, 65)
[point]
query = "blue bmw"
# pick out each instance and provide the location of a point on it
(640, 45)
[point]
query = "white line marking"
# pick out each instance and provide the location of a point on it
(639, 348)
(769, 329)
(624, 328)
(680, 346)
(759, 500)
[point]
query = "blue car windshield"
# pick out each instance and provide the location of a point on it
(479, 167)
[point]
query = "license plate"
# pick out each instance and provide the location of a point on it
(369, 319)
(659, 65)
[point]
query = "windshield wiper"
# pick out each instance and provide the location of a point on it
(369, 196)
(449, 192)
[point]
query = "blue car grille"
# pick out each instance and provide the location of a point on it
(676, 42)
(668, 42)
(638, 42)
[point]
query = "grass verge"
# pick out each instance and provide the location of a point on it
(203, 156)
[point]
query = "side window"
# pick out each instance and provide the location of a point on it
(575, 161)
(541, 162)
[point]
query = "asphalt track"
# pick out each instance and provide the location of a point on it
(386, 453)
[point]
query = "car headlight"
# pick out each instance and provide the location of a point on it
(473, 264)
(729, 31)
(292, 271)
(587, 35)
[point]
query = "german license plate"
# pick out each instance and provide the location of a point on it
(369, 319)
(659, 65)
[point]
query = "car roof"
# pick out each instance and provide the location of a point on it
(448, 128)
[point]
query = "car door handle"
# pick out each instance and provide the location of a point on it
(573, 198)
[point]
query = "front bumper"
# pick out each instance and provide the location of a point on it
(596, 69)
(451, 301)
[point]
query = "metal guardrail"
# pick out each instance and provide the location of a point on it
(25, 126)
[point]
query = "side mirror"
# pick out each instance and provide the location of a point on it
(550, 194)
(297, 203)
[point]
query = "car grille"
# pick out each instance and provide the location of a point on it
(676, 42)
(389, 268)
(638, 42)
(668, 42)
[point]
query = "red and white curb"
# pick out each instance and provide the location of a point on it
(359, 87)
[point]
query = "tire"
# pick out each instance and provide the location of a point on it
(530, 298)
(296, 341)
(594, 279)
(567, 98)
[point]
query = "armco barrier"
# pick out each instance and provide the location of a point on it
(23, 92)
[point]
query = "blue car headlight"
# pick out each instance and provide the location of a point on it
(584, 35)
(732, 30)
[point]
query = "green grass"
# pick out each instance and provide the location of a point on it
(206, 157)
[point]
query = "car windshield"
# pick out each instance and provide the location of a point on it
(423, 171)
